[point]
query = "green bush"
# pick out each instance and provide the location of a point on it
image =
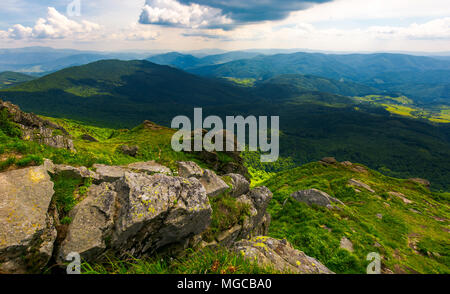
(30, 160)
(7, 126)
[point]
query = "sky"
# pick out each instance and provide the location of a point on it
(183, 25)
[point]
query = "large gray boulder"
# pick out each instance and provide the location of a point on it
(92, 224)
(188, 169)
(138, 215)
(213, 184)
(27, 231)
(317, 197)
(279, 255)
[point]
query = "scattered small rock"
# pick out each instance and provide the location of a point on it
(129, 150)
(420, 181)
(314, 196)
(359, 169)
(346, 244)
(357, 183)
(328, 160)
(401, 196)
(88, 138)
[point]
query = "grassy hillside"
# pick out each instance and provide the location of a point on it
(9, 79)
(153, 142)
(122, 94)
(411, 237)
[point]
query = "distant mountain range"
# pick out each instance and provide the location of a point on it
(39, 61)
(187, 61)
(425, 79)
(314, 121)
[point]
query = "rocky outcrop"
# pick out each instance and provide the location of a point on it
(317, 197)
(27, 231)
(213, 184)
(279, 255)
(138, 214)
(239, 184)
(37, 129)
(135, 210)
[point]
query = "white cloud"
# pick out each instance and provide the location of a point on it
(18, 32)
(435, 29)
(54, 26)
(134, 32)
(171, 12)
(359, 10)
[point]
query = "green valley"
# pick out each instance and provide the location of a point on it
(314, 124)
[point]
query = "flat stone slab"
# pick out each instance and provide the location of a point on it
(150, 167)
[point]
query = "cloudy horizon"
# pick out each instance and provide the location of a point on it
(184, 25)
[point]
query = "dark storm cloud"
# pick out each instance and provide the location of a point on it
(243, 11)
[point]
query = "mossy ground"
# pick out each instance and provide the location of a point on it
(404, 106)
(317, 231)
